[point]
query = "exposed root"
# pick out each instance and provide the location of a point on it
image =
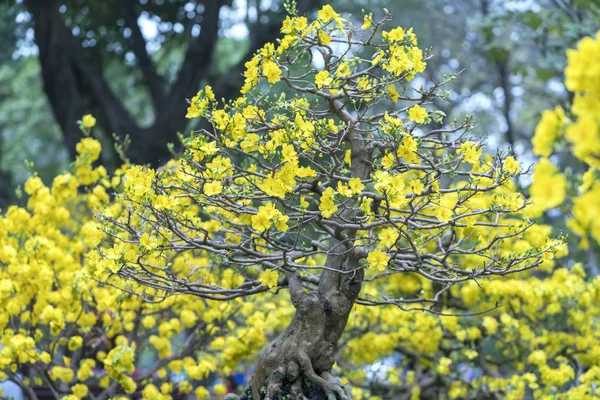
(326, 382)
(296, 390)
(292, 379)
(332, 381)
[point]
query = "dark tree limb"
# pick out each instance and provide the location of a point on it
(61, 83)
(75, 84)
(503, 68)
(155, 83)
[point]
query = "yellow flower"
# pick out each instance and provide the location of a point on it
(33, 184)
(293, 24)
(327, 205)
(324, 38)
(213, 188)
(470, 151)
(80, 390)
(417, 186)
(220, 389)
(408, 149)
(271, 71)
(549, 187)
(343, 69)
(490, 324)
(394, 95)
(88, 121)
(64, 188)
(356, 186)
(202, 393)
(303, 203)
(368, 20)
(587, 180)
(209, 93)
(251, 74)
(343, 189)
(547, 131)
(511, 165)
(378, 260)
(537, 357)
(89, 147)
(148, 322)
(443, 367)
(388, 237)
(395, 35)
(269, 278)
(377, 58)
(348, 157)
(323, 79)
(327, 13)
(417, 114)
(75, 342)
(267, 216)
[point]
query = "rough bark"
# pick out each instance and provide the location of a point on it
(300, 359)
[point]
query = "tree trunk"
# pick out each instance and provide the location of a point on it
(299, 361)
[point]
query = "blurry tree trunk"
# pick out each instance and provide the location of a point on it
(503, 68)
(7, 189)
(592, 260)
(75, 84)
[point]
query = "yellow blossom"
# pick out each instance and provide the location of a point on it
(417, 114)
(88, 121)
(378, 260)
(269, 278)
(271, 71)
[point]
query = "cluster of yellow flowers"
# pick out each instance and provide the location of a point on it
(538, 333)
(65, 326)
(248, 193)
(82, 299)
(580, 130)
(537, 337)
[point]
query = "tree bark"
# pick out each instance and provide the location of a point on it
(300, 360)
(58, 73)
(503, 68)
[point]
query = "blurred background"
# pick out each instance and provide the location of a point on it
(133, 63)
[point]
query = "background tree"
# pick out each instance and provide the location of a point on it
(534, 33)
(322, 188)
(77, 40)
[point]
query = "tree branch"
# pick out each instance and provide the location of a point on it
(151, 78)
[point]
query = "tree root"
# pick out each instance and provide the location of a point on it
(289, 380)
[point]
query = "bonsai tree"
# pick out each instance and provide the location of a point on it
(331, 171)
(332, 179)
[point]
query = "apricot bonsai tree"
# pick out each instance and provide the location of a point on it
(331, 171)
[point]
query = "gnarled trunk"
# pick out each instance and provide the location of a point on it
(302, 357)
(299, 361)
